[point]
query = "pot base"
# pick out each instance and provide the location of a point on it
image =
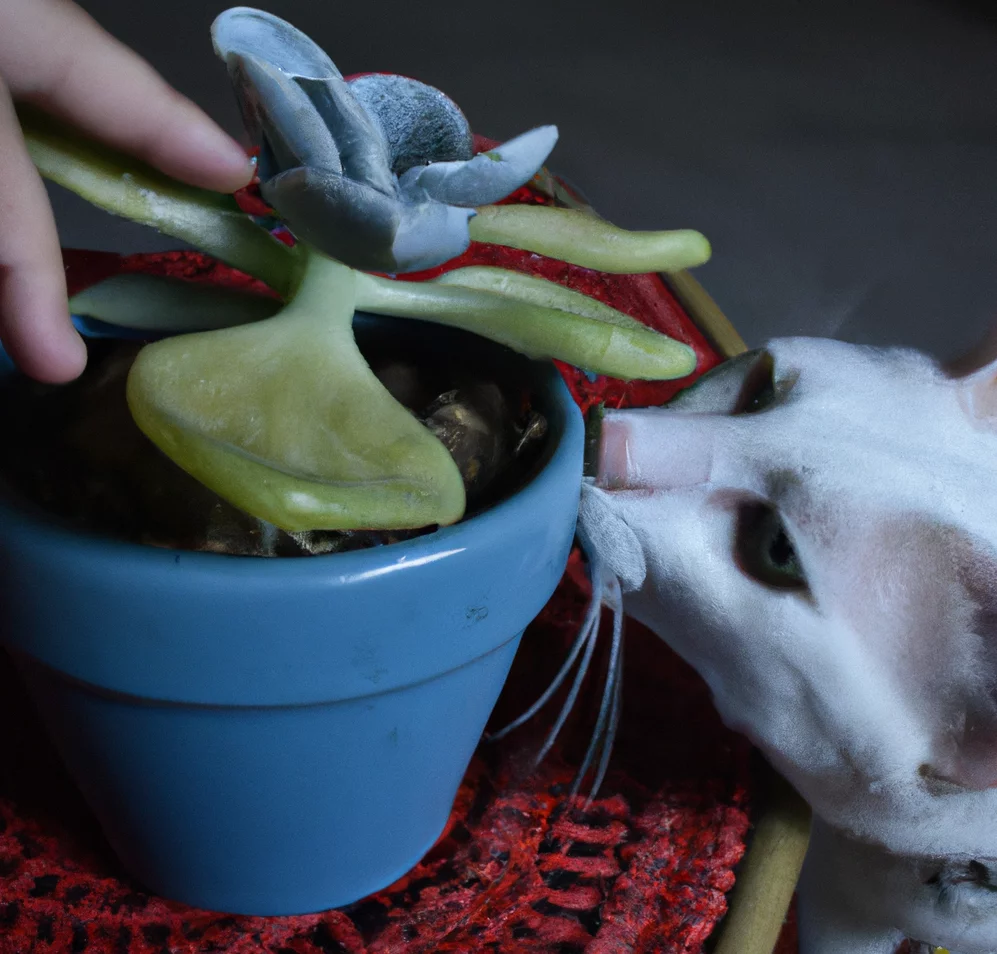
(272, 810)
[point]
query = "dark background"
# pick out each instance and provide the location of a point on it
(840, 156)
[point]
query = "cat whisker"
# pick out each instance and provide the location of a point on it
(585, 634)
(607, 746)
(605, 592)
(590, 632)
(608, 593)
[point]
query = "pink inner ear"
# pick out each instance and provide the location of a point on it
(979, 396)
(972, 762)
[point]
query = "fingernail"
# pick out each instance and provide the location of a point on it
(213, 143)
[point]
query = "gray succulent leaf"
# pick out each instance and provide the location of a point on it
(332, 150)
(421, 123)
(363, 149)
(246, 31)
(347, 220)
(429, 234)
(489, 176)
(280, 117)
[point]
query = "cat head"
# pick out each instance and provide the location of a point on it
(814, 528)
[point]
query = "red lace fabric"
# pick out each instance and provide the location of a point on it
(521, 868)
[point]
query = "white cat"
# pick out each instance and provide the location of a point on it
(814, 528)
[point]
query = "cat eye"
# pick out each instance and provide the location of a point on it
(764, 550)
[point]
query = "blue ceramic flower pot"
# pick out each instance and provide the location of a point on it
(284, 736)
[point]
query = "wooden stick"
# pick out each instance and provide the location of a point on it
(767, 876)
(706, 314)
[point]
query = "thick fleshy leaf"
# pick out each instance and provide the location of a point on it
(284, 419)
(429, 233)
(279, 116)
(537, 291)
(295, 103)
(245, 31)
(489, 176)
(158, 304)
(358, 225)
(420, 123)
(347, 220)
(537, 330)
(586, 240)
(362, 146)
(126, 187)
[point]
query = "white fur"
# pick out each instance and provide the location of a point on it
(875, 691)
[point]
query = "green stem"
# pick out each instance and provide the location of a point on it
(124, 186)
(583, 239)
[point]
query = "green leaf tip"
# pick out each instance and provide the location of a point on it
(583, 239)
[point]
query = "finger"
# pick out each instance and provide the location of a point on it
(34, 317)
(56, 57)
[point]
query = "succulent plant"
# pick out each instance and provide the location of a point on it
(377, 172)
(271, 404)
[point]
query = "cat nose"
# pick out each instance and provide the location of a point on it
(653, 449)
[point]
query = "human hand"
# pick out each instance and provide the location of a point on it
(55, 57)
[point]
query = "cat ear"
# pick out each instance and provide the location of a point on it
(978, 394)
(975, 374)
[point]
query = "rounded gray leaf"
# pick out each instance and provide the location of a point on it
(245, 31)
(279, 115)
(363, 150)
(429, 234)
(489, 176)
(347, 220)
(421, 124)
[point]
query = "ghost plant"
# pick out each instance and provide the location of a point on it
(279, 413)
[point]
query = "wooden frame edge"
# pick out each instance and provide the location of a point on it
(706, 314)
(767, 876)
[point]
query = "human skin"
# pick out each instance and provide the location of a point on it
(54, 56)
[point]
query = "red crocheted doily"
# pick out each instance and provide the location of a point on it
(520, 869)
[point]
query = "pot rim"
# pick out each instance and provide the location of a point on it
(564, 429)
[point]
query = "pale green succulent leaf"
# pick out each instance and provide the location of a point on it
(284, 419)
(537, 291)
(583, 239)
(513, 317)
(126, 187)
(157, 303)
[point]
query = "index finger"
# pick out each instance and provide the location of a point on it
(55, 56)
(34, 321)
